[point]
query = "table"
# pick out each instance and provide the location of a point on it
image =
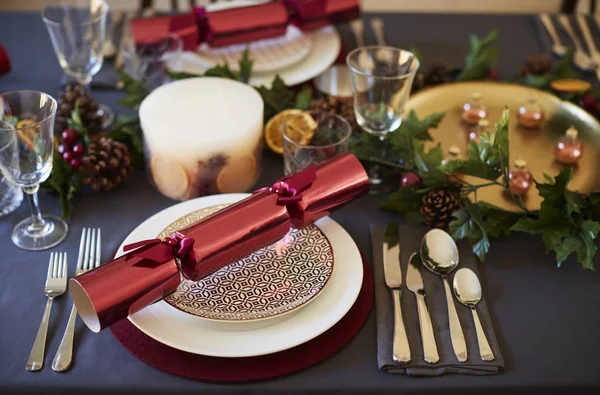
(546, 319)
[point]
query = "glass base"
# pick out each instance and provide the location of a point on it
(107, 114)
(25, 236)
(378, 187)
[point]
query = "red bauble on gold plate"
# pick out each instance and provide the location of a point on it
(519, 178)
(569, 148)
(530, 114)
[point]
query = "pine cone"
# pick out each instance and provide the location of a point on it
(88, 109)
(436, 73)
(537, 65)
(438, 207)
(106, 164)
(342, 106)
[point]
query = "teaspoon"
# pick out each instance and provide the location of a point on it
(468, 292)
(439, 254)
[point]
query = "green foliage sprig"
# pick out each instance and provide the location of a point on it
(564, 219)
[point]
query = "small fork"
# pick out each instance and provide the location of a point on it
(56, 285)
(88, 259)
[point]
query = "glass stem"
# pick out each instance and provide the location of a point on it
(37, 222)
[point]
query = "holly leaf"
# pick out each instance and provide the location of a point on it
(481, 57)
(221, 71)
(135, 91)
(245, 66)
(496, 221)
(428, 166)
(76, 124)
(406, 201)
(65, 183)
(179, 75)
(303, 98)
(277, 98)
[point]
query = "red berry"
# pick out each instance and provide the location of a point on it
(493, 75)
(588, 103)
(79, 150)
(62, 149)
(410, 179)
(69, 137)
(75, 164)
(67, 156)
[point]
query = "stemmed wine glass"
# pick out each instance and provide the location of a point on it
(26, 147)
(77, 30)
(381, 81)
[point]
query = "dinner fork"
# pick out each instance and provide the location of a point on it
(56, 285)
(88, 259)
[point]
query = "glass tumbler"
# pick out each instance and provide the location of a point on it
(11, 196)
(381, 81)
(312, 137)
(26, 153)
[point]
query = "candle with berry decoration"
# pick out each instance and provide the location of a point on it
(569, 148)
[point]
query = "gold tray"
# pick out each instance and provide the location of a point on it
(536, 146)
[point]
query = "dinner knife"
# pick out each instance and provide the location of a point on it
(414, 282)
(393, 279)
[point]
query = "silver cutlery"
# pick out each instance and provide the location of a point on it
(557, 47)
(56, 285)
(439, 254)
(580, 57)
(589, 40)
(358, 28)
(377, 26)
(88, 259)
(414, 282)
(393, 279)
(467, 289)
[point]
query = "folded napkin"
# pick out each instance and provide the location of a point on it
(410, 240)
(244, 24)
(4, 61)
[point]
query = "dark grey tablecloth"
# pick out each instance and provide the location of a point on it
(546, 319)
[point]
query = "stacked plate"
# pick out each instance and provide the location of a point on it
(274, 299)
(296, 57)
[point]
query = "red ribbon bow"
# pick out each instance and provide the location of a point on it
(289, 189)
(174, 246)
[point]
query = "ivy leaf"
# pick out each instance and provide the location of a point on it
(76, 124)
(245, 66)
(303, 98)
(277, 98)
(406, 201)
(65, 183)
(469, 224)
(497, 221)
(127, 130)
(481, 58)
(428, 166)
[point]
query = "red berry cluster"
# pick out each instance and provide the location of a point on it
(72, 148)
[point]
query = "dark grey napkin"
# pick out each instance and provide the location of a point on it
(410, 240)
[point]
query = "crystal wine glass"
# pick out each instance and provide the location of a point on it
(77, 30)
(381, 81)
(26, 147)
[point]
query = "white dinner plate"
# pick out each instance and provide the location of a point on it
(186, 332)
(326, 47)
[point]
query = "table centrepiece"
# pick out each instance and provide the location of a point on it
(152, 271)
(181, 330)
(212, 369)
(202, 136)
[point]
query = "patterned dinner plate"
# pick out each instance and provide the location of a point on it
(178, 329)
(272, 281)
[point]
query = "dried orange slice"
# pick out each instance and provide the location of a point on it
(25, 132)
(570, 85)
(170, 178)
(301, 128)
(273, 130)
(238, 175)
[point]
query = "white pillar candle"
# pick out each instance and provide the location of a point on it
(202, 135)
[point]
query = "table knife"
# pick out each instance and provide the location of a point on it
(414, 282)
(393, 279)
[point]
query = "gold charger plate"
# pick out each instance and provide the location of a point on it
(536, 146)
